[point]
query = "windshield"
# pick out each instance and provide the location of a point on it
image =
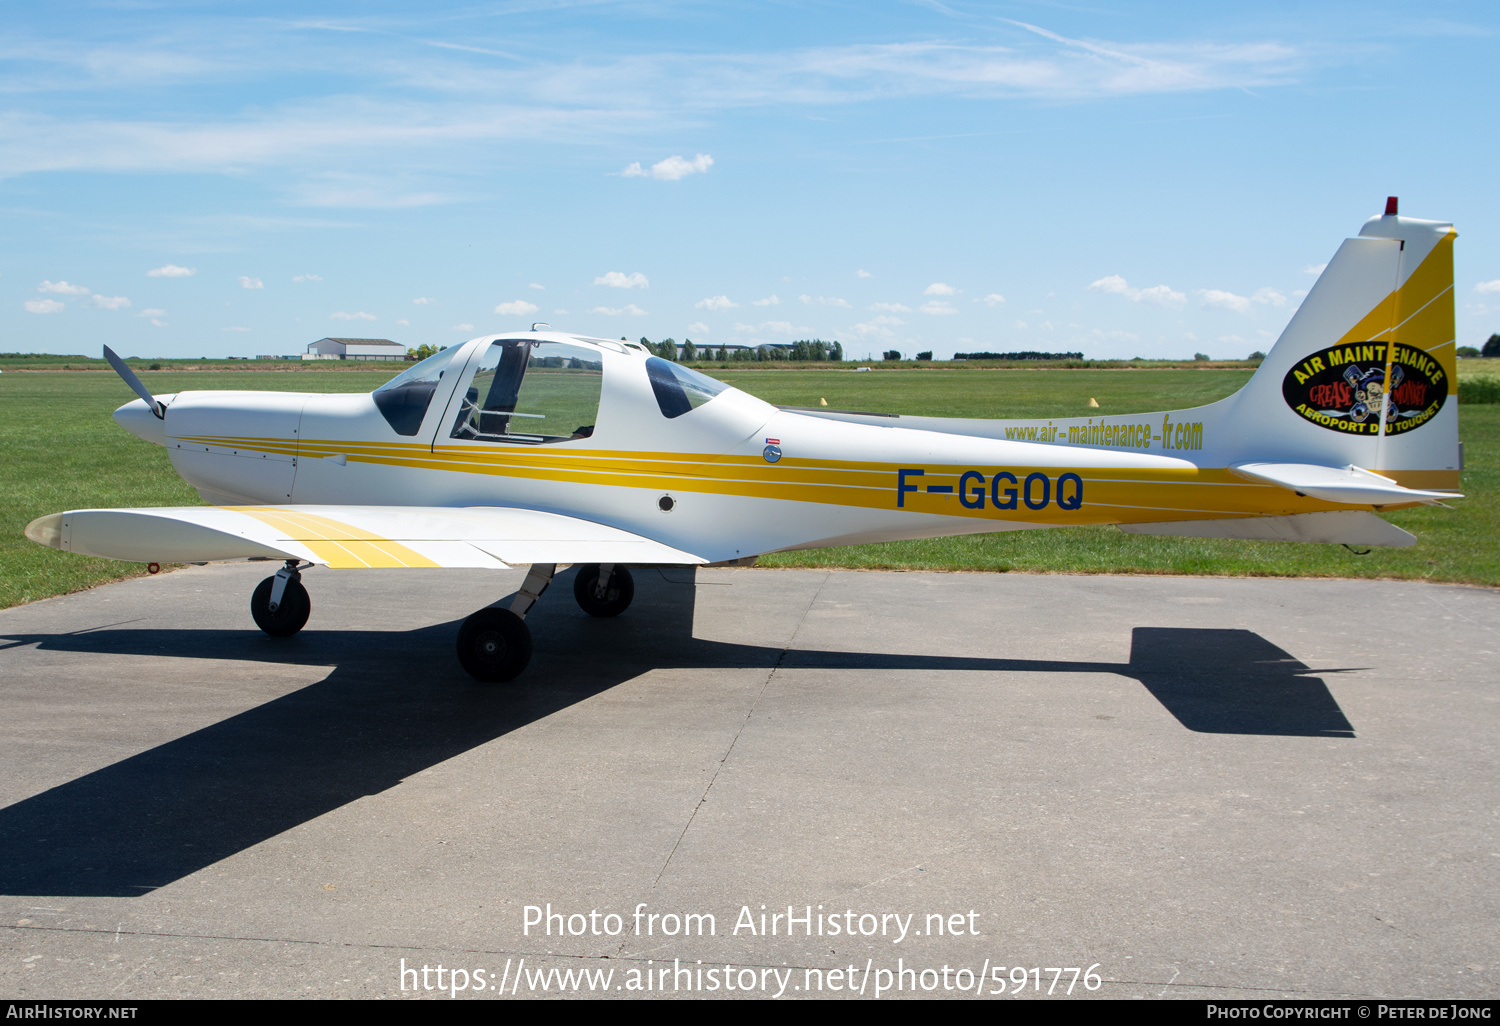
(680, 389)
(404, 399)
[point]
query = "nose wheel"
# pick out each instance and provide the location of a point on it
(280, 603)
(603, 590)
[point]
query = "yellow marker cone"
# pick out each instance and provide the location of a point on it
(822, 402)
(1093, 401)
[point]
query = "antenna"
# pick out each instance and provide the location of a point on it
(539, 325)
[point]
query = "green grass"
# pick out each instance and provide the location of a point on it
(62, 451)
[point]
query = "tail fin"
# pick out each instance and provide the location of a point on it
(1375, 333)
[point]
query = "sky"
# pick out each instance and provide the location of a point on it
(1120, 179)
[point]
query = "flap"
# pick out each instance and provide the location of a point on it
(349, 537)
(1350, 485)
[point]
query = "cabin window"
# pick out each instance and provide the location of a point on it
(404, 399)
(532, 392)
(680, 389)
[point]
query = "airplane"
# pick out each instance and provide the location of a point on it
(544, 448)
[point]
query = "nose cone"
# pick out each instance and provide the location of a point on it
(137, 418)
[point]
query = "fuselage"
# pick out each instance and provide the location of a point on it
(603, 430)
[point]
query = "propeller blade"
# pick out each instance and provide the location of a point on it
(135, 383)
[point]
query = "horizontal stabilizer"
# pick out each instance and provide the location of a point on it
(1349, 485)
(1344, 527)
(349, 537)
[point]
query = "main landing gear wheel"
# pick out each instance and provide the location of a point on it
(610, 600)
(290, 615)
(494, 645)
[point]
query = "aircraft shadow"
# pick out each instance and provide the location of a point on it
(393, 709)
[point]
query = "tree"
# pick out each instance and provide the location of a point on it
(762, 355)
(925, 355)
(1467, 352)
(422, 352)
(689, 351)
(1257, 356)
(1200, 357)
(723, 355)
(891, 354)
(835, 351)
(1492, 347)
(667, 349)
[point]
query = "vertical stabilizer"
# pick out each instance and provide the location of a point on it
(1365, 372)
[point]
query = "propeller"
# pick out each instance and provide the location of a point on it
(156, 406)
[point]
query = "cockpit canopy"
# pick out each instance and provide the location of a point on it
(529, 390)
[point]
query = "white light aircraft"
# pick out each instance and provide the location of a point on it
(543, 448)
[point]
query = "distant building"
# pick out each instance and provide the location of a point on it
(355, 349)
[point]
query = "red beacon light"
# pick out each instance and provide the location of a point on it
(1390, 206)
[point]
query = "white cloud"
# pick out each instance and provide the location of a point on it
(157, 323)
(621, 280)
(63, 288)
(698, 328)
(938, 308)
(403, 322)
(879, 328)
(516, 308)
(172, 271)
(771, 300)
(780, 327)
(1161, 295)
(1268, 297)
(994, 299)
(1224, 300)
(1021, 325)
(715, 304)
(423, 301)
(1488, 286)
(891, 307)
(111, 302)
(534, 285)
(825, 301)
(417, 113)
(307, 277)
(628, 310)
(1314, 269)
(236, 329)
(152, 312)
(862, 273)
(43, 306)
(358, 315)
(937, 288)
(671, 169)
(462, 327)
(251, 283)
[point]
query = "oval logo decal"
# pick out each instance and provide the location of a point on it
(1341, 388)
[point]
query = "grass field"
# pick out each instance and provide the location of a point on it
(62, 451)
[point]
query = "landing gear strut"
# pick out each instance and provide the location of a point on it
(495, 644)
(603, 590)
(280, 604)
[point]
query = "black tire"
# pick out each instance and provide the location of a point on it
(290, 616)
(615, 601)
(494, 645)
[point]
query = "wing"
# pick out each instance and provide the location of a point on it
(349, 537)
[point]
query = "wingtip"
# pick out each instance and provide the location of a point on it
(46, 530)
